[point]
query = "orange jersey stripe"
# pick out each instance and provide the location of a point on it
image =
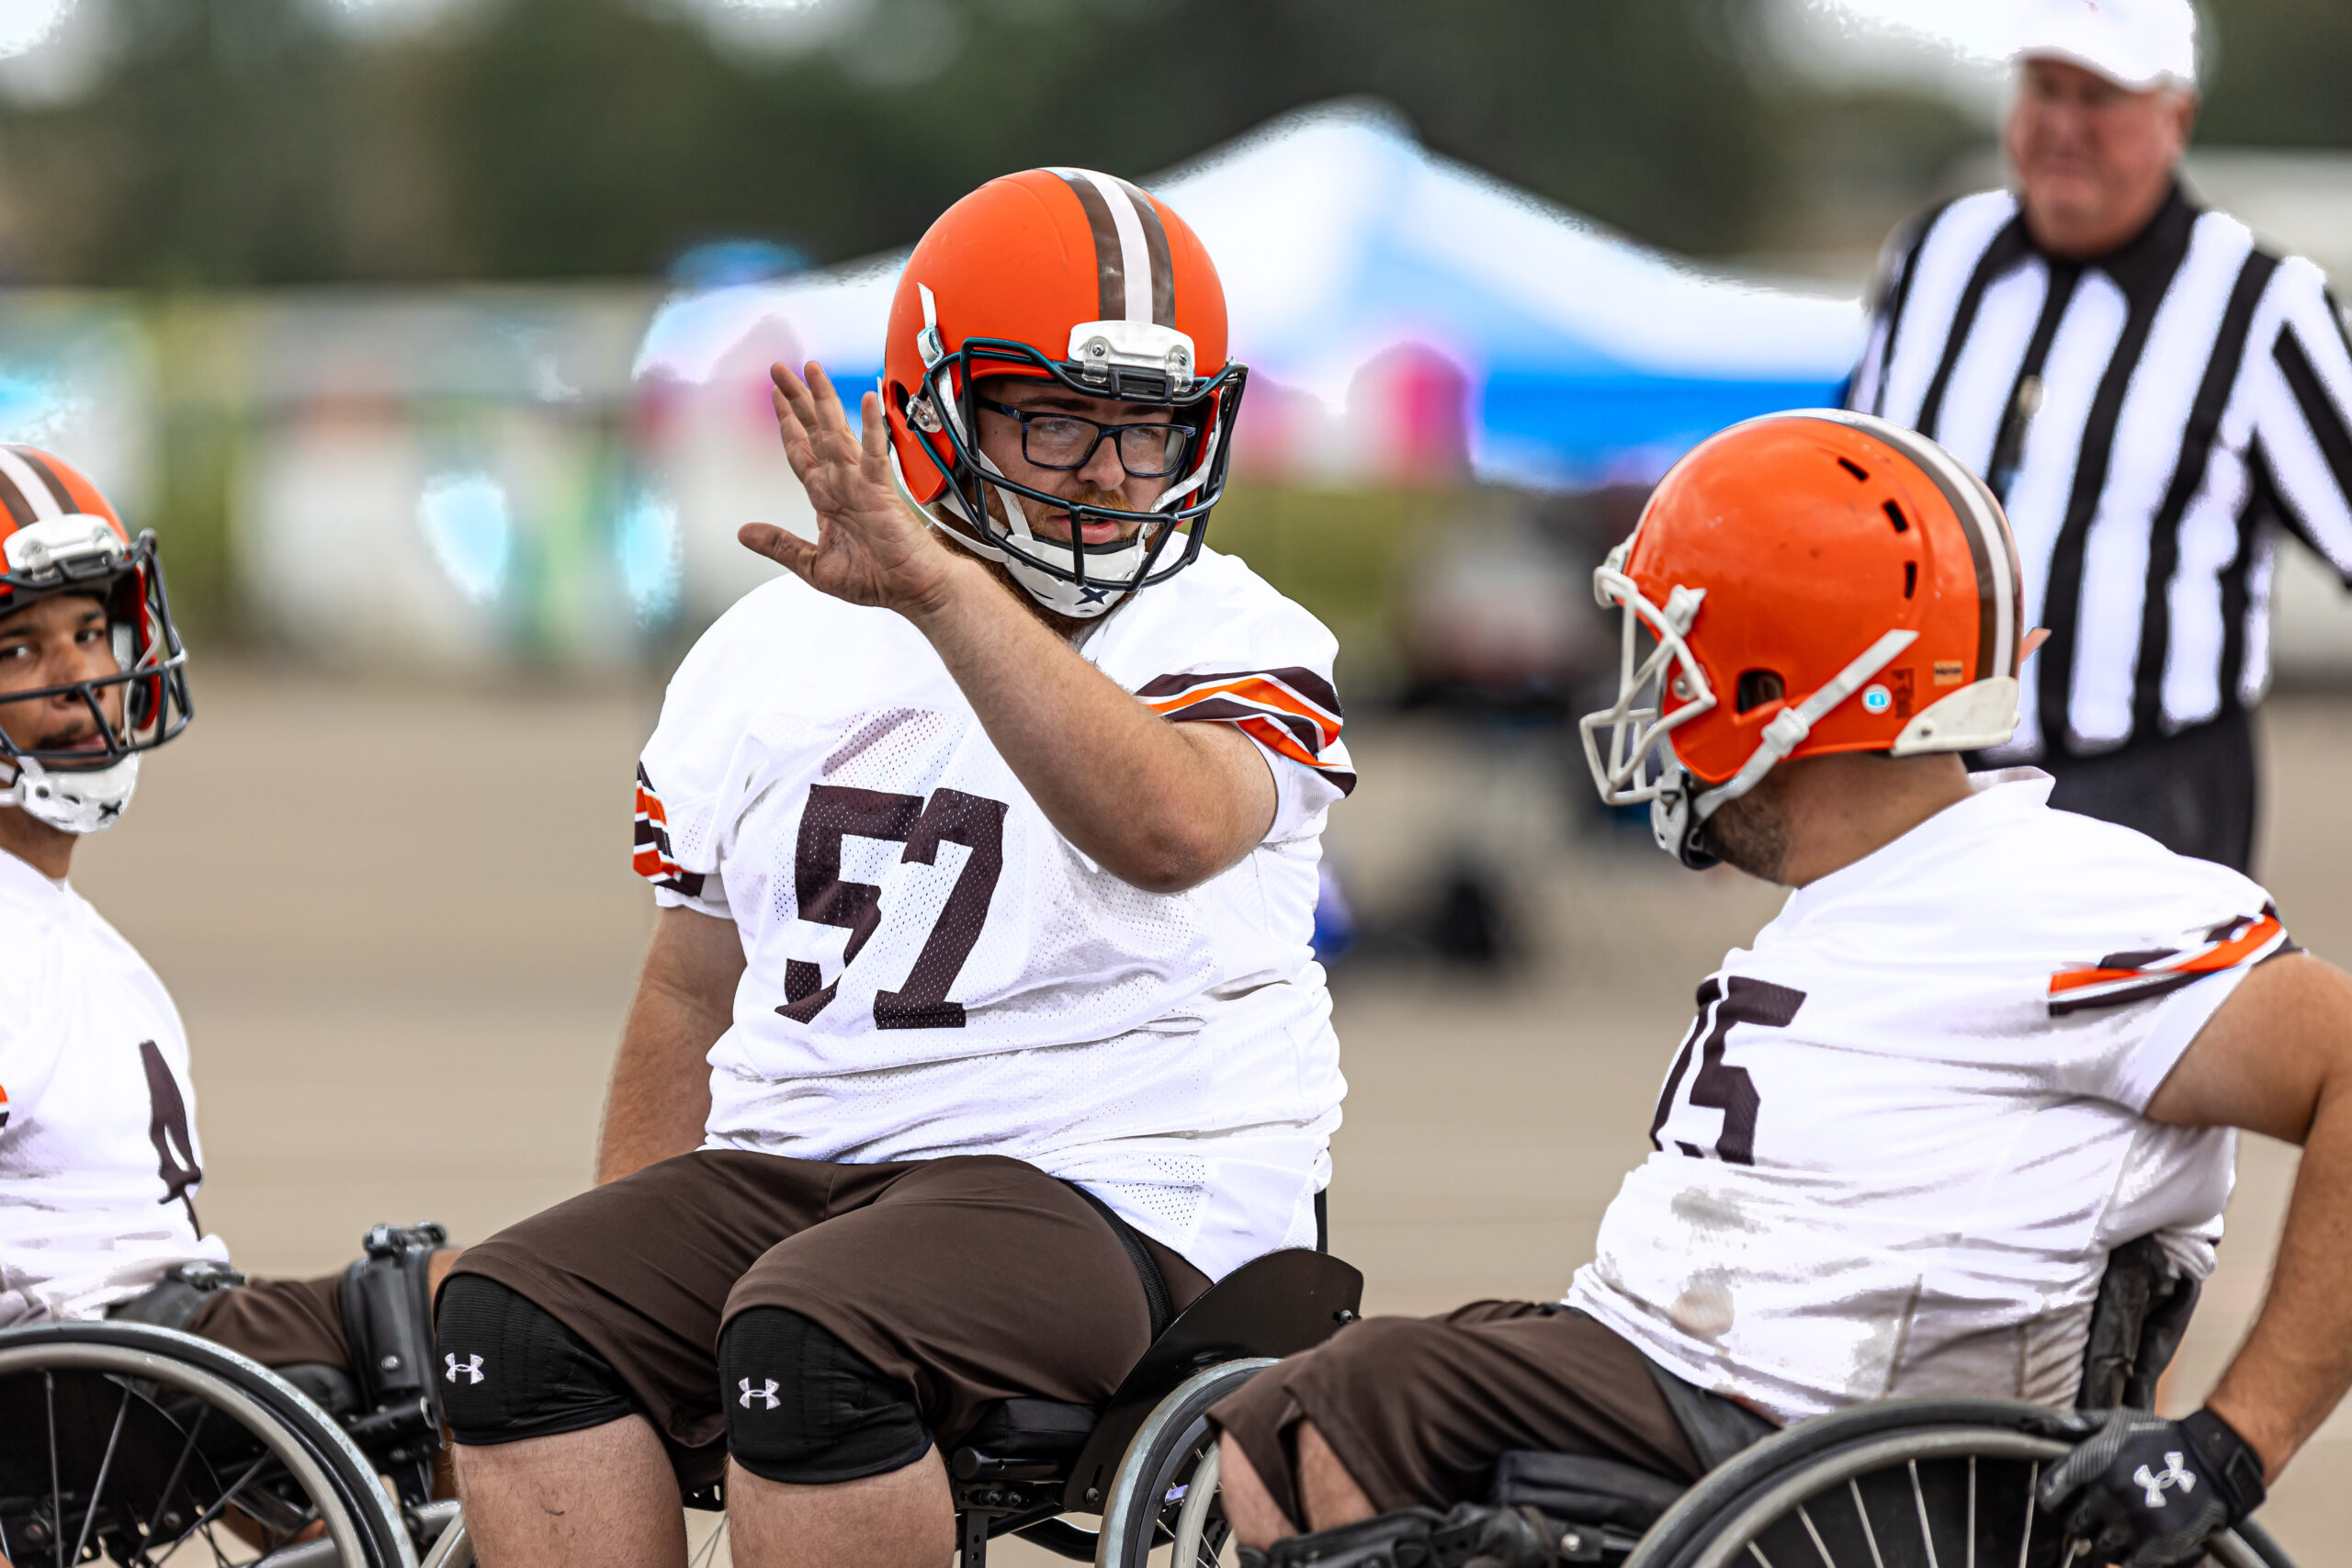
(1252, 689)
(651, 859)
(2221, 955)
(1277, 739)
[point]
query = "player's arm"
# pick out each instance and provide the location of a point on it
(2299, 392)
(1164, 806)
(660, 1094)
(2276, 1059)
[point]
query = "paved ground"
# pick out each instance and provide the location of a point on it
(401, 929)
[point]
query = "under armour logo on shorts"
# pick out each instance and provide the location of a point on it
(2170, 1475)
(471, 1367)
(750, 1393)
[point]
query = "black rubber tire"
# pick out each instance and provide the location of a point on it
(351, 1481)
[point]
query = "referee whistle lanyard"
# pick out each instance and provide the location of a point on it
(2025, 396)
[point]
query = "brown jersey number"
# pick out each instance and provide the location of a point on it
(167, 1129)
(836, 812)
(1724, 1002)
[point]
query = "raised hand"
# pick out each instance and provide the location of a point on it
(872, 546)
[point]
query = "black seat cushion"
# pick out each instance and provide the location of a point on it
(1583, 1491)
(1032, 1430)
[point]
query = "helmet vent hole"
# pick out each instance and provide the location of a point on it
(1910, 578)
(1854, 468)
(1758, 687)
(1894, 516)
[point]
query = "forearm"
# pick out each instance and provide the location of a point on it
(658, 1098)
(2296, 1364)
(659, 1095)
(1143, 797)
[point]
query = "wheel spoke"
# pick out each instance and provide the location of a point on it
(220, 1506)
(179, 1468)
(2032, 1491)
(1870, 1535)
(1820, 1546)
(1972, 1511)
(56, 1485)
(1758, 1553)
(105, 1467)
(1919, 1499)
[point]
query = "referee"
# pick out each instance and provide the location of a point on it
(2152, 395)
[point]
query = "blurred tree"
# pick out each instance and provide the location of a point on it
(247, 142)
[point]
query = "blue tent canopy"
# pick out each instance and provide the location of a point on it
(1576, 354)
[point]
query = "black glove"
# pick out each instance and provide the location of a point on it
(2155, 1489)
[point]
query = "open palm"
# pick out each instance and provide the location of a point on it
(872, 546)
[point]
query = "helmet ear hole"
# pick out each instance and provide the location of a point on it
(1756, 688)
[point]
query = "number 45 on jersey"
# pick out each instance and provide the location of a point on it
(1723, 1001)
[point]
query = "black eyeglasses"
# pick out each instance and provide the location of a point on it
(1067, 441)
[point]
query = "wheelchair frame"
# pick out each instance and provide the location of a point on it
(1133, 1462)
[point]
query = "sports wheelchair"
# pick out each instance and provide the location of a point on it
(132, 1441)
(1898, 1484)
(148, 1446)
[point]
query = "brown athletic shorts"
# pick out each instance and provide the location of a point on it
(971, 1279)
(280, 1322)
(1418, 1409)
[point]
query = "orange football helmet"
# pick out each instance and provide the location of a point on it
(59, 534)
(1083, 279)
(1805, 583)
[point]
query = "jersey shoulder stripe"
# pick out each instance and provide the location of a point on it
(653, 860)
(2120, 978)
(1291, 711)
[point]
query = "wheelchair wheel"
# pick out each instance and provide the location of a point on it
(1166, 1486)
(143, 1446)
(1940, 1483)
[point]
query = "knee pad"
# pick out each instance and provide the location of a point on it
(509, 1371)
(805, 1409)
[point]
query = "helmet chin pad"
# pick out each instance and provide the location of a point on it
(1132, 560)
(1679, 814)
(72, 800)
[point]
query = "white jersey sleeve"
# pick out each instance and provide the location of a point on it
(1906, 1128)
(701, 743)
(1234, 651)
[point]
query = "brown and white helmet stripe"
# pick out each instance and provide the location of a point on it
(1138, 280)
(2000, 593)
(30, 490)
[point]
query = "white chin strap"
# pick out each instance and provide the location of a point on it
(1676, 812)
(74, 801)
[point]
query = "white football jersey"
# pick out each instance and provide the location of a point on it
(1906, 1128)
(932, 969)
(100, 1162)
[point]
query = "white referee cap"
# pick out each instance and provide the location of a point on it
(2138, 44)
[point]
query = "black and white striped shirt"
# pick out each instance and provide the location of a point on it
(2149, 420)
